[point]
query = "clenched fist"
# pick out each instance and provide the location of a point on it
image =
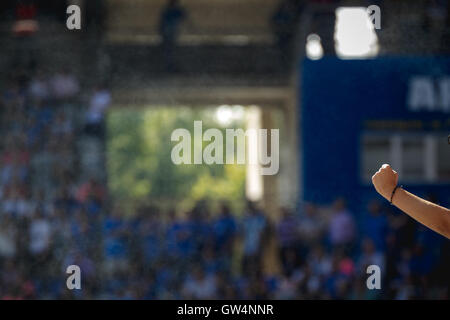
(385, 180)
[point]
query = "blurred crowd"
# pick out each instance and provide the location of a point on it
(51, 216)
(45, 205)
(322, 253)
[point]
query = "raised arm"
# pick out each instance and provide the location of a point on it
(429, 214)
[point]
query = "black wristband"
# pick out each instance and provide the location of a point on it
(393, 193)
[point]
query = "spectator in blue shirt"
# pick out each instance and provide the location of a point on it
(375, 225)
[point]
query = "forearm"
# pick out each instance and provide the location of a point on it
(429, 214)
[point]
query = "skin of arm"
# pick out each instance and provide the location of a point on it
(429, 214)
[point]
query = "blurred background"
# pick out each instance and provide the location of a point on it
(86, 176)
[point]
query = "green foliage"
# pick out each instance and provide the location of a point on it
(140, 169)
